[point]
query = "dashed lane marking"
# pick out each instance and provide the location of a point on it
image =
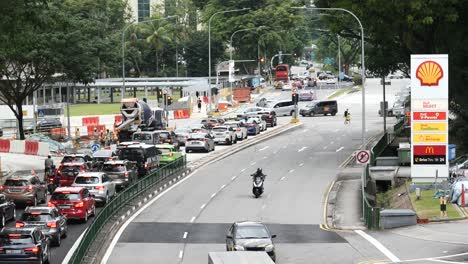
(340, 149)
(262, 149)
(301, 149)
(291, 170)
(253, 163)
(302, 164)
(213, 195)
(222, 186)
(181, 254)
(325, 147)
(203, 206)
(185, 235)
(193, 219)
(242, 170)
(282, 178)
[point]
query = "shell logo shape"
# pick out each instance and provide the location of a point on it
(429, 73)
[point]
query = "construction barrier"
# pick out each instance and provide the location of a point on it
(91, 129)
(223, 107)
(117, 120)
(4, 145)
(90, 121)
(31, 147)
(17, 146)
(43, 149)
(60, 131)
(181, 114)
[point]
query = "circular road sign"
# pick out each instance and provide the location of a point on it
(95, 147)
(363, 157)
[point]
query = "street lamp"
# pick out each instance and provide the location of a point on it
(209, 48)
(123, 46)
(363, 132)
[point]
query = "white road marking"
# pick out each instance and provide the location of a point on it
(274, 152)
(253, 163)
(233, 178)
(263, 206)
(242, 170)
(222, 186)
(282, 178)
(340, 149)
(301, 149)
(378, 245)
(302, 164)
(305, 130)
(203, 206)
(193, 219)
(181, 254)
(185, 235)
(265, 157)
(213, 195)
(336, 130)
(332, 142)
(75, 245)
(291, 170)
(263, 148)
(324, 148)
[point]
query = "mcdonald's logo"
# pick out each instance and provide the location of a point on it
(429, 150)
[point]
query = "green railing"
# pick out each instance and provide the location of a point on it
(371, 214)
(379, 148)
(121, 200)
(399, 126)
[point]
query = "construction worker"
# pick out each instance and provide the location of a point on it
(108, 137)
(114, 137)
(77, 137)
(102, 138)
(96, 134)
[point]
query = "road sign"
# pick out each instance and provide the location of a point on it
(95, 147)
(363, 157)
(231, 71)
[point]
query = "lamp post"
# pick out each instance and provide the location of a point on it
(209, 48)
(123, 46)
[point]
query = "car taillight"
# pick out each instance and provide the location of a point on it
(238, 129)
(19, 224)
(33, 249)
(82, 170)
(171, 154)
(270, 116)
(100, 188)
(59, 171)
(52, 224)
(50, 204)
(79, 205)
(146, 165)
(28, 188)
(126, 174)
(2, 187)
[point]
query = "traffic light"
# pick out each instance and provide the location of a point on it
(169, 100)
(262, 60)
(295, 98)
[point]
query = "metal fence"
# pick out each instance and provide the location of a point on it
(371, 214)
(399, 126)
(122, 199)
(379, 148)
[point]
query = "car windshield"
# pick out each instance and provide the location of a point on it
(86, 180)
(72, 159)
(252, 120)
(311, 105)
(17, 183)
(233, 125)
(59, 196)
(71, 168)
(36, 217)
(219, 129)
(197, 136)
(15, 239)
(251, 232)
(141, 136)
(163, 135)
(131, 154)
(113, 168)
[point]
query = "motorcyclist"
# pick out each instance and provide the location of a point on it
(259, 173)
(48, 163)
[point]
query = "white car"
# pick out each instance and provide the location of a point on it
(261, 123)
(239, 128)
(99, 185)
(224, 134)
(286, 87)
(330, 81)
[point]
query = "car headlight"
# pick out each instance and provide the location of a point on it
(269, 248)
(238, 248)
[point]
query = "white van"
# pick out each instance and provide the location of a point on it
(281, 108)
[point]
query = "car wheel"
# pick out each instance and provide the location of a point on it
(229, 142)
(312, 114)
(14, 213)
(41, 260)
(93, 213)
(47, 261)
(65, 233)
(107, 199)
(292, 112)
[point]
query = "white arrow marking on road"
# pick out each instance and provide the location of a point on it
(181, 254)
(185, 235)
(263, 148)
(301, 149)
(282, 178)
(302, 164)
(340, 149)
(193, 219)
(203, 206)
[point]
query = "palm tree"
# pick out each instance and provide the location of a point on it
(157, 37)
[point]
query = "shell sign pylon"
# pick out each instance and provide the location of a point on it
(429, 73)
(429, 109)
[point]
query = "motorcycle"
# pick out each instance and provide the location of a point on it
(51, 185)
(257, 183)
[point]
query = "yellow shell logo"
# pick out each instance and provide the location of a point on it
(429, 73)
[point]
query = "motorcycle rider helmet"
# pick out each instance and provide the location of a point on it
(259, 171)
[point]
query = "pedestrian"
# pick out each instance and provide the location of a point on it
(48, 163)
(102, 138)
(108, 137)
(199, 101)
(77, 137)
(96, 134)
(443, 206)
(346, 116)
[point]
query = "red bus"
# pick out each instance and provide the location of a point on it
(282, 73)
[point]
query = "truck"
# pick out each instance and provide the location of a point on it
(136, 115)
(299, 71)
(239, 257)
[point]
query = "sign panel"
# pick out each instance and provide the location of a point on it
(430, 127)
(363, 157)
(429, 138)
(231, 71)
(429, 116)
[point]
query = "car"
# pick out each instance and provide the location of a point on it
(306, 94)
(251, 110)
(73, 202)
(286, 87)
(99, 184)
(198, 128)
(69, 170)
(253, 128)
(44, 125)
(100, 157)
(24, 245)
(1, 132)
(182, 134)
(200, 141)
(146, 157)
(167, 137)
(52, 223)
(281, 108)
(324, 107)
(122, 172)
(263, 102)
(239, 128)
(250, 236)
(209, 123)
(330, 80)
(269, 117)
(148, 137)
(25, 189)
(169, 153)
(77, 157)
(224, 134)
(7, 210)
(260, 121)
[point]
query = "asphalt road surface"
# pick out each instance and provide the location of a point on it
(192, 219)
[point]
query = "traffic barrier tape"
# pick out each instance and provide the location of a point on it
(223, 106)
(31, 147)
(4, 145)
(58, 131)
(17, 146)
(90, 121)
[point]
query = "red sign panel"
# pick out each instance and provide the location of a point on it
(429, 150)
(429, 115)
(181, 114)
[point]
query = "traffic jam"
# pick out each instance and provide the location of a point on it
(37, 211)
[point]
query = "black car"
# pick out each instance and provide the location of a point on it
(25, 245)
(52, 223)
(250, 236)
(168, 137)
(100, 157)
(7, 210)
(269, 117)
(145, 156)
(44, 125)
(211, 122)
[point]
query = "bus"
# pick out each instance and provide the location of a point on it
(282, 73)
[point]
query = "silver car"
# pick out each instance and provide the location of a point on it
(239, 128)
(98, 183)
(281, 108)
(199, 141)
(224, 134)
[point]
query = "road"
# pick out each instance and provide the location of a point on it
(300, 165)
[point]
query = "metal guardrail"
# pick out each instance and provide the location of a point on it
(400, 125)
(371, 214)
(379, 148)
(122, 199)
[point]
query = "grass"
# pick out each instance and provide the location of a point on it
(344, 91)
(428, 207)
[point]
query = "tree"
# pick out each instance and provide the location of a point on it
(159, 35)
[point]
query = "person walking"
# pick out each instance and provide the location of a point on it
(48, 163)
(199, 101)
(346, 116)
(77, 138)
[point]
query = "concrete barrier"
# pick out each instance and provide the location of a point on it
(43, 149)
(4, 145)
(17, 146)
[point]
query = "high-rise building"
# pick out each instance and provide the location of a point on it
(142, 9)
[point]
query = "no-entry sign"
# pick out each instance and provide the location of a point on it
(363, 157)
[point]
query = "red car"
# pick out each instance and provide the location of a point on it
(74, 202)
(69, 170)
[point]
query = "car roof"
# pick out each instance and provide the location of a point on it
(76, 155)
(22, 231)
(222, 127)
(162, 131)
(115, 162)
(69, 189)
(199, 134)
(103, 153)
(20, 177)
(76, 163)
(138, 146)
(249, 223)
(91, 174)
(42, 209)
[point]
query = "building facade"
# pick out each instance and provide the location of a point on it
(142, 9)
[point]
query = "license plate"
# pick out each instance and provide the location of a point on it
(90, 188)
(15, 190)
(194, 142)
(65, 206)
(14, 251)
(219, 134)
